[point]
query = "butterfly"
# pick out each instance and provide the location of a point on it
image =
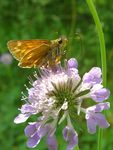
(38, 53)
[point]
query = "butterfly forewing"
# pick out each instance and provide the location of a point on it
(38, 53)
(36, 57)
(29, 52)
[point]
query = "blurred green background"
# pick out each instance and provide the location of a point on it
(48, 19)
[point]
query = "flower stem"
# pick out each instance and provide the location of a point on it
(73, 21)
(103, 55)
(71, 34)
(72, 26)
(77, 148)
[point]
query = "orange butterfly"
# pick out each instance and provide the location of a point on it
(38, 53)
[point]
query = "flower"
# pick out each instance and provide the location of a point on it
(6, 59)
(94, 117)
(57, 95)
(70, 136)
(34, 131)
(93, 76)
(98, 93)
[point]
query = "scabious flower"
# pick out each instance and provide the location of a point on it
(58, 95)
(6, 59)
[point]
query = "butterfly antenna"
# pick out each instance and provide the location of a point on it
(77, 37)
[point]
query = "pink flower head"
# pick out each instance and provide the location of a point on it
(56, 96)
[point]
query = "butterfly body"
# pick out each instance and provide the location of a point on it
(37, 53)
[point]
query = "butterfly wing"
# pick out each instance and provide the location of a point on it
(30, 53)
(37, 57)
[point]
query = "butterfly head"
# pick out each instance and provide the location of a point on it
(62, 41)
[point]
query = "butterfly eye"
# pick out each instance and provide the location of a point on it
(60, 41)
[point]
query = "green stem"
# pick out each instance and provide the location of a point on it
(72, 26)
(73, 20)
(77, 148)
(103, 56)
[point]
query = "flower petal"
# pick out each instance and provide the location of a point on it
(42, 131)
(72, 63)
(99, 94)
(101, 120)
(33, 141)
(99, 107)
(26, 108)
(30, 130)
(93, 76)
(21, 118)
(52, 142)
(71, 137)
(94, 118)
(91, 125)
